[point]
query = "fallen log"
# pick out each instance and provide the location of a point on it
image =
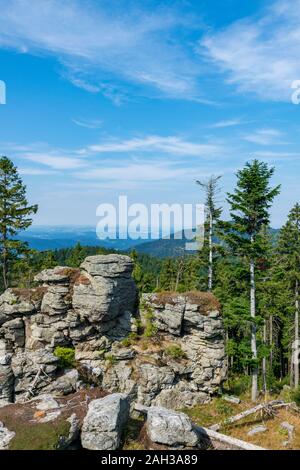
(261, 407)
(224, 439)
(34, 383)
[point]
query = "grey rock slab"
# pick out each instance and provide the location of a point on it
(256, 430)
(5, 437)
(170, 428)
(46, 402)
(108, 265)
(103, 425)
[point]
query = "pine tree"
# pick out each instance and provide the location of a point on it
(77, 256)
(289, 252)
(48, 261)
(213, 214)
(249, 210)
(14, 216)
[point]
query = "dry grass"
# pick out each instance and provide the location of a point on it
(206, 301)
(275, 436)
(29, 295)
(219, 410)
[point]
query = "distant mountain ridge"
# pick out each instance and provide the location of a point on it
(43, 238)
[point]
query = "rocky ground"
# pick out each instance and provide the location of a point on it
(88, 420)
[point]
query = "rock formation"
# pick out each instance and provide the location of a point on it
(177, 361)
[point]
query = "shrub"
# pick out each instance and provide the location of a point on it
(238, 385)
(296, 396)
(150, 328)
(129, 340)
(126, 342)
(111, 359)
(138, 325)
(66, 357)
(174, 351)
(133, 336)
(223, 408)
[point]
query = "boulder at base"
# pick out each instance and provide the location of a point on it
(104, 423)
(170, 428)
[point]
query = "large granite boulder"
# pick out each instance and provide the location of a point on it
(105, 291)
(170, 428)
(5, 437)
(104, 423)
(6, 379)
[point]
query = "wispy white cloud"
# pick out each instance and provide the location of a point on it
(101, 44)
(268, 154)
(227, 123)
(260, 55)
(34, 171)
(148, 158)
(55, 161)
(134, 172)
(265, 137)
(171, 144)
(88, 123)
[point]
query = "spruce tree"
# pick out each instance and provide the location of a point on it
(14, 216)
(77, 255)
(249, 211)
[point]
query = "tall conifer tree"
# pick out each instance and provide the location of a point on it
(250, 204)
(14, 216)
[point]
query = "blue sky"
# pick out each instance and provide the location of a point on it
(106, 98)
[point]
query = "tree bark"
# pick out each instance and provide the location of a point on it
(271, 341)
(210, 261)
(4, 262)
(295, 361)
(264, 362)
(179, 273)
(254, 371)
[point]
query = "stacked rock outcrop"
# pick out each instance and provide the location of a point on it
(178, 361)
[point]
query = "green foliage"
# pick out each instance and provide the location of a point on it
(237, 384)
(174, 351)
(150, 329)
(224, 408)
(111, 359)
(14, 217)
(296, 396)
(43, 436)
(66, 356)
(76, 257)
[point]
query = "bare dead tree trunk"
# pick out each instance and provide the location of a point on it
(211, 189)
(254, 372)
(271, 340)
(296, 344)
(264, 361)
(210, 261)
(5, 263)
(179, 273)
